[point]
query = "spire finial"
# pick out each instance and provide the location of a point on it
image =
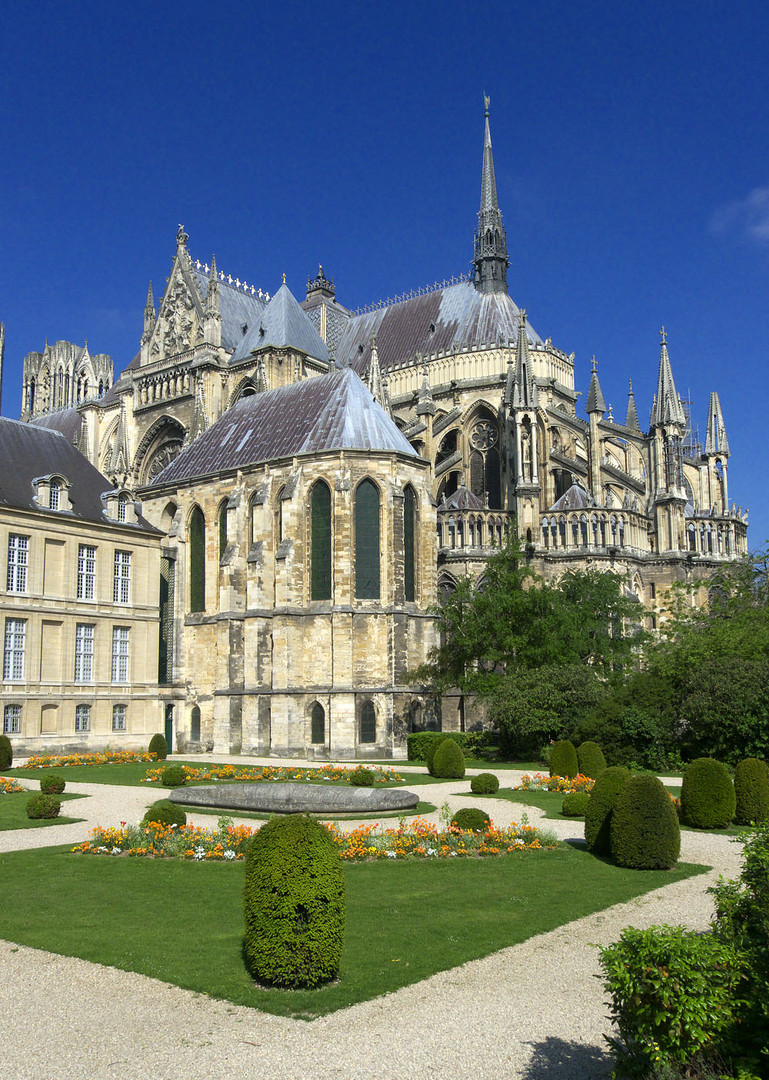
(284, 279)
(181, 237)
(523, 313)
(486, 103)
(664, 336)
(593, 364)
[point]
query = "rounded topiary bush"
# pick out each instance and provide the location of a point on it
(43, 806)
(294, 904)
(52, 784)
(575, 804)
(751, 791)
(484, 783)
(645, 834)
(361, 777)
(590, 759)
(449, 761)
(600, 807)
(158, 746)
(471, 817)
(6, 753)
(707, 795)
(173, 776)
(563, 759)
(165, 812)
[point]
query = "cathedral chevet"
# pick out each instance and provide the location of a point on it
(239, 538)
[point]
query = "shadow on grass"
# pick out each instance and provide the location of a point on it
(557, 1059)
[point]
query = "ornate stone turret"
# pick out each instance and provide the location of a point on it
(491, 261)
(595, 400)
(716, 441)
(212, 318)
(149, 315)
(525, 395)
(717, 452)
(595, 407)
(668, 423)
(631, 419)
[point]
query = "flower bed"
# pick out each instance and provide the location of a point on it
(257, 773)
(419, 839)
(10, 787)
(105, 757)
(564, 784)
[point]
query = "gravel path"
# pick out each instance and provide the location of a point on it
(533, 1011)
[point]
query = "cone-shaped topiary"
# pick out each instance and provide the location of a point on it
(600, 807)
(471, 817)
(449, 761)
(158, 746)
(563, 759)
(43, 806)
(484, 783)
(294, 903)
(751, 790)
(166, 812)
(575, 804)
(591, 760)
(52, 784)
(707, 795)
(6, 753)
(361, 777)
(645, 834)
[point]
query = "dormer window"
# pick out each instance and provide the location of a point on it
(52, 492)
(122, 508)
(119, 506)
(54, 489)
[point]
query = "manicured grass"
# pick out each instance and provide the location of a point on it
(13, 812)
(405, 920)
(549, 801)
(422, 808)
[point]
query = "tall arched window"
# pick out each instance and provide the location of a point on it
(367, 541)
(367, 723)
(197, 560)
(222, 528)
(409, 553)
(320, 542)
(195, 724)
(318, 724)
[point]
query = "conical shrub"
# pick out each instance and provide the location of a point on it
(603, 799)
(707, 795)
(644, 830)
(563, 759)
(751, 791)
(449, 761)
(158, 746)
(590, 759)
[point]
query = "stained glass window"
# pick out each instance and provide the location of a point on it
(367, 541)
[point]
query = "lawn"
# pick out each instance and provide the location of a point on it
(405, 920)
(13, 812)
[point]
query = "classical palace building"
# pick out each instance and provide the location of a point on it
(308, 479)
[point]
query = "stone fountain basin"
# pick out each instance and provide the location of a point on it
(294, 798)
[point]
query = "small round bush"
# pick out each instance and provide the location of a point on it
(470, 817)
(43, 806)
(158, 746)
(166, 812)
(484, 783)
(575, 804)
(563, 759)
(707, 795)
(362, 777)
(294, 904)
(52, 784)
(751, 790)
(601, 806)
(645, 834)
(590, 758)
(6, 753)
(449, 761)
(173, 776)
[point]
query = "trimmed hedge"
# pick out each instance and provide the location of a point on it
(361, 777)
(173, 776)
(603, 798)
(751, 791)
(708, 800)
(166, 812)
(159, 746)
(448, 761)
(6, 753)
(52, 784)
(294, 904)
(563, 759)
(484, 783)
(43, 806)
(590, 759)
(471, 817)
(575, 804)
(644, 830)
(474, 743)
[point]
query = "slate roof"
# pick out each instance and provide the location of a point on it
(282, 324)
(462, 317)
(329, 412)
(237, 307)
(462, 499)
(65, 421)
(576, 498)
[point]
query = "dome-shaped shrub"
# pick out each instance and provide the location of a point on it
(6, 753)
(707, 795)
(575, 804)
(438, 738)
(158, 746)
(173, 776)
(294, 903)
(563, 759)
(751, 790)
(166, 812)
(471, 817)
(43, 806)
(361, 777)
(484, 783)
(600, 807)
(590, 758)
(645, 834)
(52, 784)
(449, 761)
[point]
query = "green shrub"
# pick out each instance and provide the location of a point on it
(603, 798)
(294, 904)
(6, 753)
(173, 776)
(449, 761)
(590, 759)
(563, 759)
(575, 804)
(707, 795)
(158, 746)
(420, 744)
(644, 830)
(166, 812)
(43, 806)
(470, 817)
(52, 784)
(484, 783)
(751, 791)
(361, 777)
(456, 737)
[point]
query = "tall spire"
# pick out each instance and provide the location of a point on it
(375, 380)
(595, 400)
(631, 419)
(491, 261)
(149, 314)
(667, 408)
(716, 441)
(524, 391)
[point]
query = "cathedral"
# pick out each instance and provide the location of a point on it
(299, 482)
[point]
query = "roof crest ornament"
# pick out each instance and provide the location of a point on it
(181, 237)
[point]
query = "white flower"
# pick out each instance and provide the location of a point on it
(391, 855)
(117, 851)
(229, 854)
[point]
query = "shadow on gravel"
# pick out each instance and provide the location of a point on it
(556, 1059)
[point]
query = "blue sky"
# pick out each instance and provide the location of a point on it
(630, 144)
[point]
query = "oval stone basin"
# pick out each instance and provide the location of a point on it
(295, 798)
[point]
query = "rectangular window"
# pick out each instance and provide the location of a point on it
(12, 720)
(82, 718)
(118, 717)
(86, 572)
(122, 577)
(120, 654)
(13, 657)
(84, 635)
(18, 551)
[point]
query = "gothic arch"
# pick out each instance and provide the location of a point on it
(160, 445)
(246, 388)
